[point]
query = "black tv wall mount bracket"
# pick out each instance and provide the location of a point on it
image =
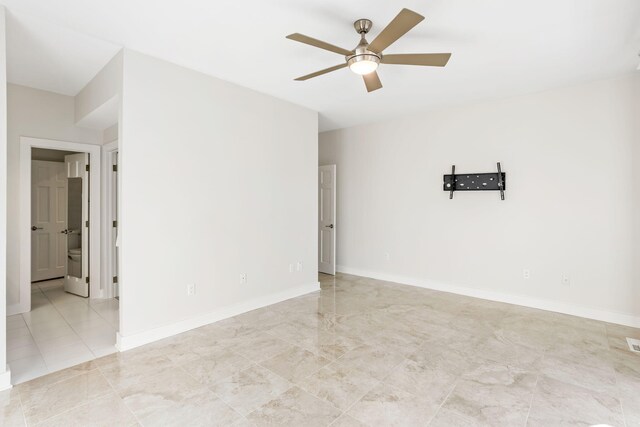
(475, 182)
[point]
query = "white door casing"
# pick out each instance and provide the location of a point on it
(327, 219)
(76, 165)
(48, 220)
(114, 223)
(22, 273)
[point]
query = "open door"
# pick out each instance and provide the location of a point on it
(327, 219)
(77, 279)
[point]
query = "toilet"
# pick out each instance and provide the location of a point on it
(75, 254)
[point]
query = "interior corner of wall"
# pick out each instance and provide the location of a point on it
(97, 104)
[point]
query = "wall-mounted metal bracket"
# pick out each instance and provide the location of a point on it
(475, 182)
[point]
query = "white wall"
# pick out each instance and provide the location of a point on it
(38, 114)
(97, 104)
(4, 376)
(217, 180)
(572, 205)
(110, 134)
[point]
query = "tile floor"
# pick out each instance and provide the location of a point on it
(60, 331)
(360, 352)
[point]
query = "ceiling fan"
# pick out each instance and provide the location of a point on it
(366, 57)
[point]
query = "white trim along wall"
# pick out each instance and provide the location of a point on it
(523, 300)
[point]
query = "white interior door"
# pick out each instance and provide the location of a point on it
(327, 219)
(77, 278)
(48, 220)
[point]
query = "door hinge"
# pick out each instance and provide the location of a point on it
(86, 168)
(115, 224)
(87, 278)
(115, 168)
(115, 279)
(86, 223)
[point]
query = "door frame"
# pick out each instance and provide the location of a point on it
(24, 197)
(108, 151)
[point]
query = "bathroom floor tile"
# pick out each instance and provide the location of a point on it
(60, 331)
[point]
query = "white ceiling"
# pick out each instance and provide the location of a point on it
(500, 48)
(51, 57)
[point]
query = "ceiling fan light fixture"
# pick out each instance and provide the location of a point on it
(364, 63)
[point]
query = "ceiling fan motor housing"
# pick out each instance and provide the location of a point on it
(361, 52)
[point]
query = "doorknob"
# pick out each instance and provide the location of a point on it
(329, 226)
(34, 228)
(64, 232)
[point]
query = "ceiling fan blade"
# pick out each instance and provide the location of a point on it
(318, 43)
(428, 59)
(401, 24)
(321, 72)
(372, 81)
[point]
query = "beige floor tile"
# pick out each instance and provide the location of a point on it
(347, 421)
(129, 368)
(446, 418)
(160, 392)
(376, 361)
(250, 389)
(597, 378)
(329, 345)
(429, 378)
(215, 367)
(493, 394)
(53, 399)
(338, 385)
(189, 347)
(498, 349)
(11, 413)
(261, 347)
(387, 354)
(105, 411)
(628, 392)
(556, 403)
(39, 384)
(294, 407)
(386, 405)
(200, 410)
(295, 364)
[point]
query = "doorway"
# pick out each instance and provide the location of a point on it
(85, 165)
(327, 219)
(66, 315)
(60, 204)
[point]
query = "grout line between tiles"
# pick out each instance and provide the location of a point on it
(533, 395)
(443, 401)
(117, 393)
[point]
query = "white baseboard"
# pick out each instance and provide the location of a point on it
(124, 343)
(523, 300)
(5, 379)
(16, 309)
